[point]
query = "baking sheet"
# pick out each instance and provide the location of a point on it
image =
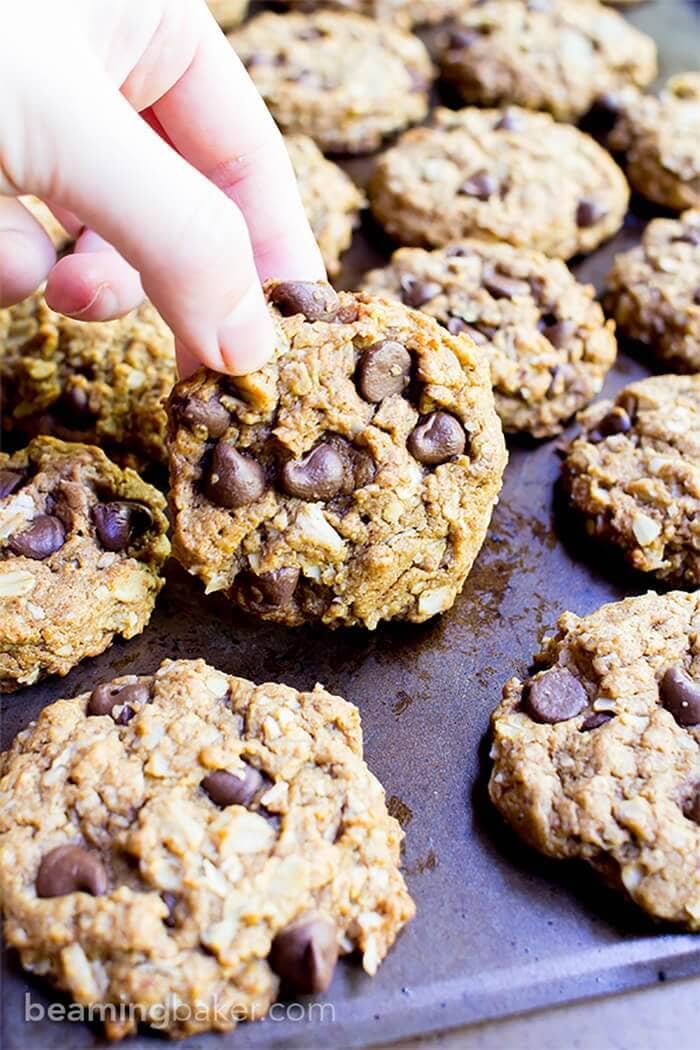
(499, 929)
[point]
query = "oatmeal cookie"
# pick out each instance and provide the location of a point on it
(349, 481)
(659, 139)
(559, 56)
(547, 341)
(342, 79)
(404, 13)
(82, 545)
(191, 839)
(228, 13)
(98, 382)
(635, 474)
(500, 175)
(331, 199)
(653, 291)
(597, 756)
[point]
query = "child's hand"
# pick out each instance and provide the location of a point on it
(83, 85)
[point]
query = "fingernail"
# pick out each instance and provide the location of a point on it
(247, 336)
(103, 305)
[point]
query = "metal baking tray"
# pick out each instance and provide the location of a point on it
(499, 929)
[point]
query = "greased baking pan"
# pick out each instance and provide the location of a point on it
(499, 929)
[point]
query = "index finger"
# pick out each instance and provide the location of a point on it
(216, 119)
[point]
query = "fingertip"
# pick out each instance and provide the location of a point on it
(26, 257)
(247, 337)
(93, 285)
(187, 362)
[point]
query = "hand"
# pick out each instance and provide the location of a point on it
(129, 119)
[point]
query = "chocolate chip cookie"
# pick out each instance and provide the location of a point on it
(653, 291)
(331, 199)
(82, 545)
(500, 175)
(659, 139)
(352, 479)
(343, 79)
(635, 474)
(228, 13)
(101, 383)
(596, 755)
(191, 840)
(556, 55)
(404, 13)
(547, 341)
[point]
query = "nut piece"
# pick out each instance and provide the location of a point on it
(70, 869)
(304, 955)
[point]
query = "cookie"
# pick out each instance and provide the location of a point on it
(60, 237)
(653, 291)
(228, 13)
(331, 199)
(352, 479)
(547, 341)
(635, 474)
(342, 79)
(403, 13)
(555, 55)
(595, 757)
(499, 175)
(181, 843)
(82, 545)
(97, 382)
(659, 139)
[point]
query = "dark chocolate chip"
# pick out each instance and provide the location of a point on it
(70, 869)
(557, 332)
(689, 237)
(680, 694)
(456, 326)
(170, 902)
(502, 287)
(437, 439)
(234, 479)
(119, 522)
(304, 955)
(319, 475)
(604, 113)
(696, 297)
(595, 720)
(481, 185)
(41, 539)
(10, 480)
(510, 121)
(615, 422)
(209, 414)
(589, 212)
(269, 590)
(74, 408)
(383, 370)
(232, 789)
(315, 300)
(555, 696)
(415, 292)
(461, 38)
(691, 809)
(109, 695)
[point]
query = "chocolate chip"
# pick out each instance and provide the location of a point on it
(415, 292)
(559, 333)
(456, 326)
(481, 185)
(555, 696)
(109, 695)
(680, 694)
(232, 789)
(315, 300)
(209, 414)
(691, 809)
(605, 113)
(615, 422)
(118, 522)
(9, 481)
(268, 590)
(696, 297)
(319, 475)
(455, 251)
(70, 869)
(304, 955)
(510, 121)
(74, 408)
(170, 902)
(383, 370)
(234, 479)
(461, 38)
(502, 287)
(595, 721)
(589, 212)
(438, 438)
(41, 539)
(689, 237)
